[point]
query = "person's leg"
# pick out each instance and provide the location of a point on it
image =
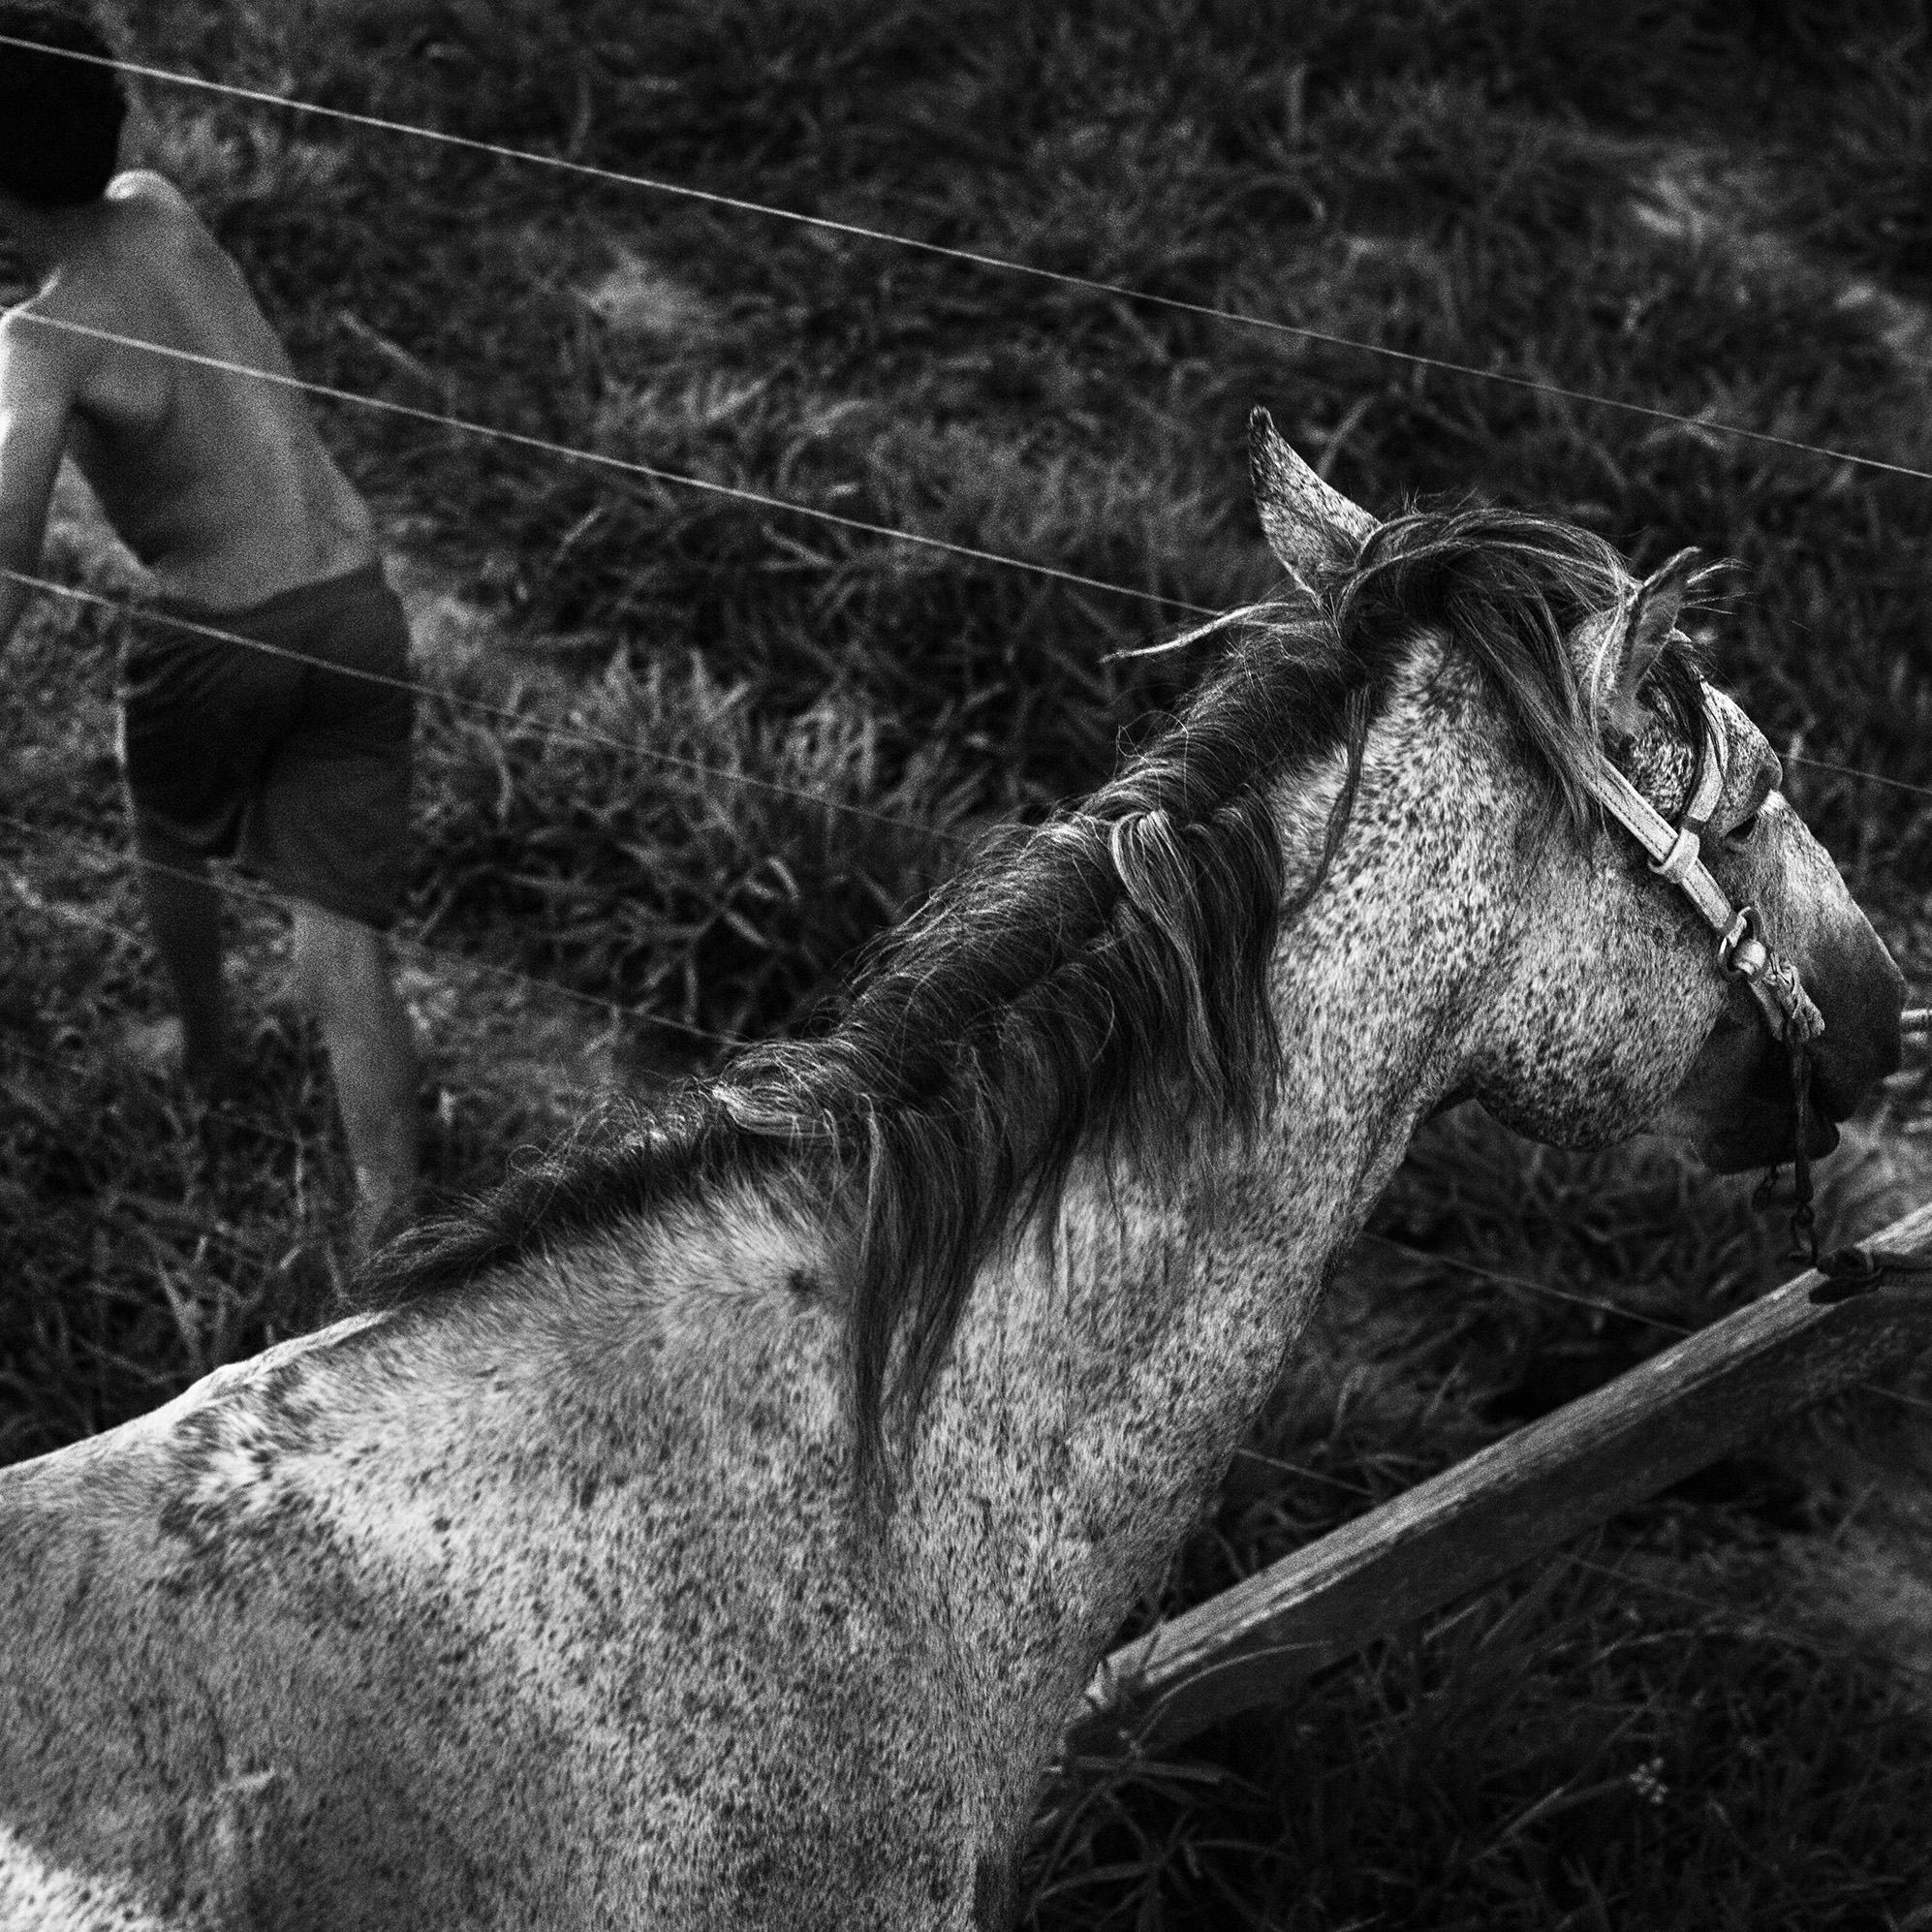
(184, 915)
(342, 973)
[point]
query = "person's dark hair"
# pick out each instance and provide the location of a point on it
(60, 118)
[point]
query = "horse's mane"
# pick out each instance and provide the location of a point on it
(1097, 985)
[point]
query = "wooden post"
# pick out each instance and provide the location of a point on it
(1576, 1468)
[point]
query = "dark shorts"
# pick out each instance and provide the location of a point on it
(293, 766)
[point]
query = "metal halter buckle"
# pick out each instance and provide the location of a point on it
(1741, 953)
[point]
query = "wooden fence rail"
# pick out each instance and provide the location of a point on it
(1576, 1468)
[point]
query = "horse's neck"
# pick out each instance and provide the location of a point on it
(1105, 1374)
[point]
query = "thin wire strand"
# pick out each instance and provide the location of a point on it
(736, 493)
(625, 465)
(569, 734)
(259, 895)
(79, 1071)
(302, 1144)
(1735, 1613)
(1307, 1475)
(1525, 1282)
(754, 497)
(1857, 771)
(1553, 1293)
(975, 258)
(256, 896)
(224, 1111)
(615, 1009)
(579, 735)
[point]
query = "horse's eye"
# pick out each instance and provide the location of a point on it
(1740, 832)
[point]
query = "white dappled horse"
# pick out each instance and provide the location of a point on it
(717, 1529)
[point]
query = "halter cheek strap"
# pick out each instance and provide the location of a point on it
(1744, 953)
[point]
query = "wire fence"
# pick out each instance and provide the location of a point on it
(759, 500)
(1433, 1258)
(734, 492)
(1750, 1623)
(619, 1014)
(613, 1011)
(600, 459)
(244, 894)
(577, 734)
(969, 256)
(1521, 1283)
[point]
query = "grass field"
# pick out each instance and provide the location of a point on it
(1720, 1713)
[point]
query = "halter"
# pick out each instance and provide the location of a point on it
(1677, 857)
(1743, 952)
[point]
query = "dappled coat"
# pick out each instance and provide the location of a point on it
(719, 1527)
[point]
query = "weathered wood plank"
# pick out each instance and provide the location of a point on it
(1576, 1468)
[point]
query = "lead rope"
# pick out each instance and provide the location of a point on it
(1804, 1218)
(1792, 1015)
(1847, 1271)
(1850, 1271)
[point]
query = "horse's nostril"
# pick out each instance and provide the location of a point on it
(1831, 1101)
(1838, 1086)
(1862, 1043)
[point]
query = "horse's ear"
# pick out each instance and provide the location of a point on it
(1309, 526)
(1629, 643)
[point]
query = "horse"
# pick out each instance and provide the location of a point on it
(716, 1526)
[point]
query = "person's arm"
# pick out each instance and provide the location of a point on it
(36, 398)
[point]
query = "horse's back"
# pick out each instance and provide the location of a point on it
(532, 1617)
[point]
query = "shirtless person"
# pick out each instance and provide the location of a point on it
(219, 484)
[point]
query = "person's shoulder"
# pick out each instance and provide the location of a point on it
(148, 211)
(153, 231)
(148, 220)
(107, 277)
(142, 189)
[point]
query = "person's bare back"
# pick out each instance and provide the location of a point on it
(213, 476)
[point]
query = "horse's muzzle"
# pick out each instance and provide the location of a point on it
(1860, 1046)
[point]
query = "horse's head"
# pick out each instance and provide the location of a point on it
(1734, 1103)
(1610, 1010)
